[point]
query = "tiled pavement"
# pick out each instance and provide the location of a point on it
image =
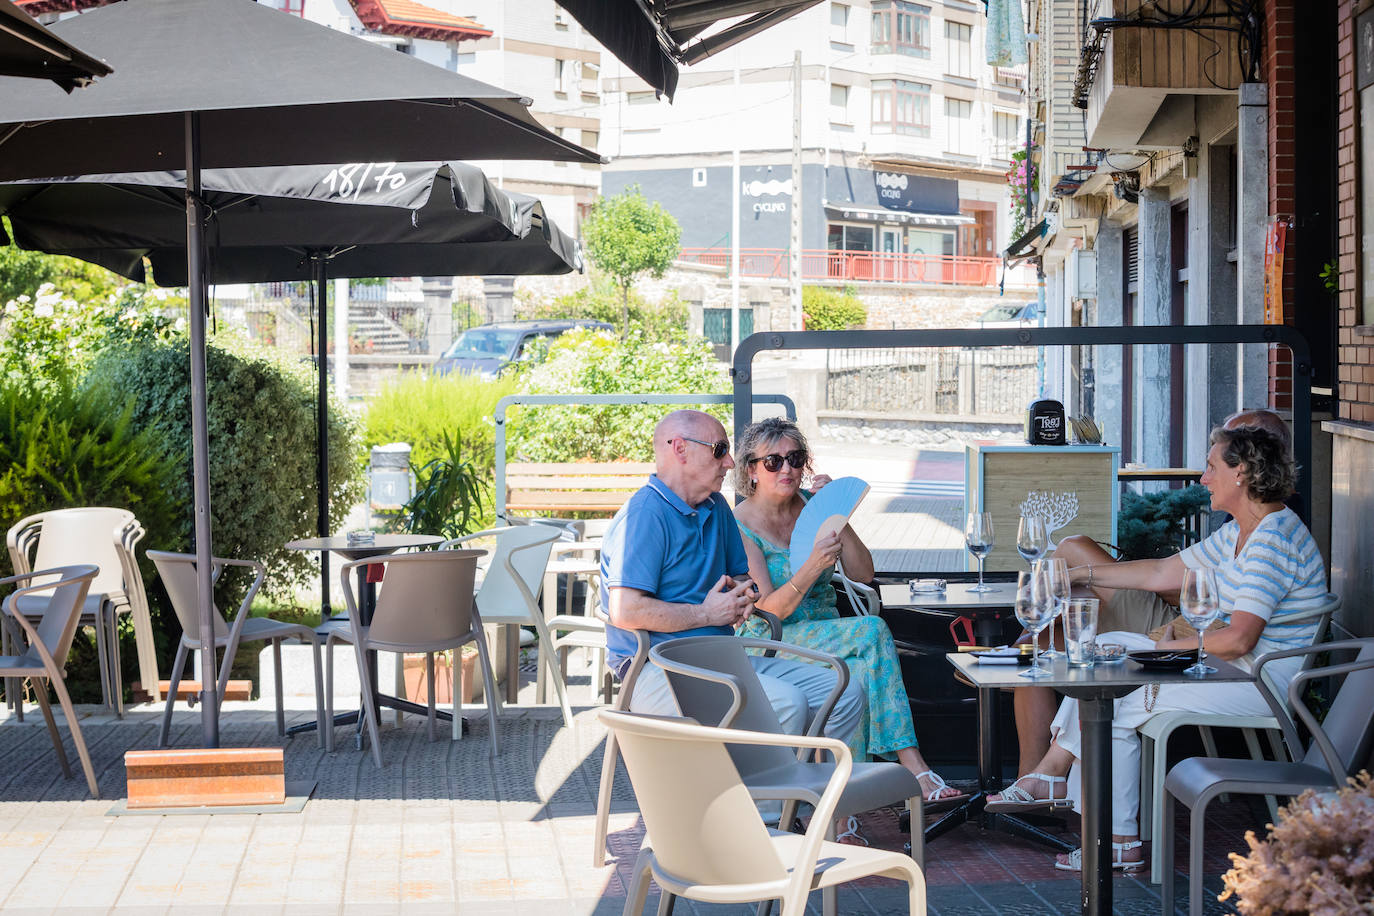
(442, 828)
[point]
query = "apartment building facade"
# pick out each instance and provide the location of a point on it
(906, 136)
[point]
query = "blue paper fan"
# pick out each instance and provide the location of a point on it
(826, 512)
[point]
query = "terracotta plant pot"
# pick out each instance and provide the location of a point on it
(417, 686)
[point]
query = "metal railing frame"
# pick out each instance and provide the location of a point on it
(685, 400)
(742, 374)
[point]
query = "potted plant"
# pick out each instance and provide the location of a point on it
(1318, 859)
(417, 685)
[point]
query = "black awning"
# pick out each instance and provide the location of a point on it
(1023, 246)
(652, 37)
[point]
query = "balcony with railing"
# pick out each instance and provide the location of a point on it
(864, 267)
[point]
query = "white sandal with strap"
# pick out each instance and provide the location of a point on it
(1119, 863)
(940, 786)
(1015, 798)
(851, 832)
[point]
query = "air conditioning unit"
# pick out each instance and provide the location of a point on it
(1083, 273)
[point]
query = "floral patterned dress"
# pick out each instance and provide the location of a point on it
(865, 644)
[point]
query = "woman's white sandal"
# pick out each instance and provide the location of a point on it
(1015, 798)
(1119, 863)
(940, 786)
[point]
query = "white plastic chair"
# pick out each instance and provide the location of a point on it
(425, 605)
(43, 644)
(709, 842)
(1155, 734)
(178, 573)
(104, 537)
(579, 631)
(862, 597)
(510, 590)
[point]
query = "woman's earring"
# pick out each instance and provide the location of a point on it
(1237, 483)
(753, 481)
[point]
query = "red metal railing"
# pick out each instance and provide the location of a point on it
(858, 266)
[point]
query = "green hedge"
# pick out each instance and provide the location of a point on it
(832, 310)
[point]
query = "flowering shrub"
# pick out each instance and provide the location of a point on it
(1020, 180)
(51, 336)
(1318, 858)
(597, 362)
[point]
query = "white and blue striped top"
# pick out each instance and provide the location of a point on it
(1278, 574)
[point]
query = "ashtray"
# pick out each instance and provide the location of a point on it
(1109, 653)
(361, 538)
(1164, 659)
(926, 586)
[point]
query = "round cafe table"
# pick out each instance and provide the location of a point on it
(381, 545)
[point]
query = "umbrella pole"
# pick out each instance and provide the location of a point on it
(318, 269)
(200, 434)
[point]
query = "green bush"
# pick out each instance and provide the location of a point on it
(420, 409)
(601, 301)
(831, 310)
(1151, 525)
(261, 415)
(591, 362)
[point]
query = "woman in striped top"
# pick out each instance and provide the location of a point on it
(1268, 571)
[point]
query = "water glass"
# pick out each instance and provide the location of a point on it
(978, 540)
(1057, 571)
(1034, 610)
(1032, 538)
(1080, 632)
(1199, 602)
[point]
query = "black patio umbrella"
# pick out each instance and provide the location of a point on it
(27, 49)
(232, 84)
(295, 223)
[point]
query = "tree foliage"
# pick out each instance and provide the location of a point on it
(627, 235)
(23, 272)
(1150, 525)
(592, 362)
(831, 310)
(601, 300)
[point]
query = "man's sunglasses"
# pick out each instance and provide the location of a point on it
(718, 449)
(773, 463)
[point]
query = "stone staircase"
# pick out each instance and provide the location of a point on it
(372, 324)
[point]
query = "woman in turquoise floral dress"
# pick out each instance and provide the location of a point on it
(770, 465)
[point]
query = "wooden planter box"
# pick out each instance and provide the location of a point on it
(417, 686)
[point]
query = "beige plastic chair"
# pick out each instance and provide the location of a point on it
(510, 590)
(425, 604)
(43, 644)
(709, 842)
(1155, 734)
(178, 572)
(106, 538)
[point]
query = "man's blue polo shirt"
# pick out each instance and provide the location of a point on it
(671, 551)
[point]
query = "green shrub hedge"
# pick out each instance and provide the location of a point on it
(832, 310)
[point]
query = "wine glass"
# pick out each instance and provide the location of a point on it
(1200, 603)
(978, 539)
(1035, 610)
(1057, 571)
(1032, 538)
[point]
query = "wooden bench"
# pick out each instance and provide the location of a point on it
(563, 487)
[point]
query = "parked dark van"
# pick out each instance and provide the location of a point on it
(488, 349)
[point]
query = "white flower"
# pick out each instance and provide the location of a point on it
(45, 289)
(43, 310)
(24, 298)
(130, 315)
(180, 325)
(159, 294)
(11, 308)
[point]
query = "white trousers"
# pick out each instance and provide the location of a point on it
(795, 691)
(1227, 698)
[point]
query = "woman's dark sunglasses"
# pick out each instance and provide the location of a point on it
(772, 463)
(718, 449)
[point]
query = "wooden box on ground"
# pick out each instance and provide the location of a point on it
(193, 777)
(1074, 484)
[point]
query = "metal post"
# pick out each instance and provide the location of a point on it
(734, 224)
(200, 433)
(320, 275)
(1095, 719)
(794, 260)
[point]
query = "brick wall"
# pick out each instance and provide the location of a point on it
(1278, 72)
(1355, 353)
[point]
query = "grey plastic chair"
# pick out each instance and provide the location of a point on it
(105, 537)
(510, 590)
(178, 573)
(713, 682)
(43, 644)
(425, 605)
(1340, 746)
(708, 840)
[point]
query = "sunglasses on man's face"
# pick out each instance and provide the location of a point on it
(772, 463)
(718, 449)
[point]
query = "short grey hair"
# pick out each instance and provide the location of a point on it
(754, 443)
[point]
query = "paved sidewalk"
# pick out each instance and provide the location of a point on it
(442, 828)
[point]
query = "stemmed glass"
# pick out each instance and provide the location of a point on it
(978, 539)
(1032, 538)
(1057, 571)
(1200, 604)
(1035, 611)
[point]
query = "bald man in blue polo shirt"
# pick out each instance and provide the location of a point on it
(673, 563)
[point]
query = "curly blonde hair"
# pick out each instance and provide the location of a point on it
(755, 443)
(1270, 474)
